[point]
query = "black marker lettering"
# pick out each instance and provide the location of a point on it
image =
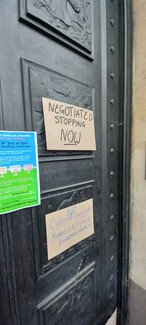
(90, 116)
(85, 116)
(51, 107)
(70, 137)
(57, 106)
(63, 135)
(56, 119)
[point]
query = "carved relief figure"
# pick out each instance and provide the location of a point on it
(59, 88)
(72, 17)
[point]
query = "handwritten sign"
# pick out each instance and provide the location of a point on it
(66, 227)
(68, 127)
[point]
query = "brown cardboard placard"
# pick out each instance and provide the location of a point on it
(68, 127)
(66, 227)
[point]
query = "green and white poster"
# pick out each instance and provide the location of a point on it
(19, 173)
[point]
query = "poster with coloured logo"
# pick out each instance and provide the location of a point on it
(19, 173)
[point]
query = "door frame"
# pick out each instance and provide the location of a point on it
(125, 71)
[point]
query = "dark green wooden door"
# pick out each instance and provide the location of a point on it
(66, 50)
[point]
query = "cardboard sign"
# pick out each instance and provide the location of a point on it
(68, 127)
(19, 175)
(66, 227)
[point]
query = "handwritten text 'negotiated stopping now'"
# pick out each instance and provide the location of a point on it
(67, 126)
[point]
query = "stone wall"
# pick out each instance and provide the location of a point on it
(137, 301)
